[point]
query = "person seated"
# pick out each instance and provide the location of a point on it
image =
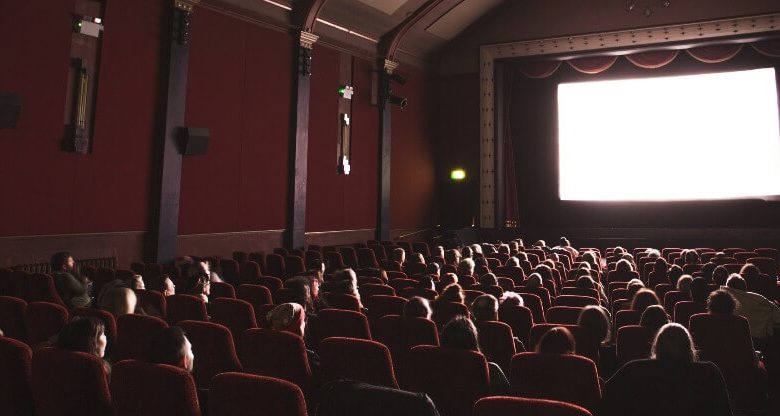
(671, 382)
(485, 308)
(590, 258)
(398, 255)
(426, 282)
(70, 285)
(644, 298)
(452, 257)
(417, 307)
(300, 288)
(136, 282)
(534, 281)
(85, 334)
(659, 273)
(548, 279)
(203, 267)
(557, 340)
(707, 270)
(291, 317)
(347, 284)
(460, 333)
(200, 286)
(699, 290)
(117, 299)
(466, 267)
(721, 302)
(170, 346)
(675, 272)
(433, 270)
(654, 317)
(511, 299)
(762, 314)
(164, 285)
(720, 275)
(595, 320)
(451, 293)
(684, 283)
(448, 279)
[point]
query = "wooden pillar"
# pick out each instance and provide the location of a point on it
(296, 212)
(176, 96)
(385, 134)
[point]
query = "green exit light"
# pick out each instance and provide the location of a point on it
(458, 174)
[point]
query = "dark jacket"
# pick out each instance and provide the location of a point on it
(653, 387)
(354, 398)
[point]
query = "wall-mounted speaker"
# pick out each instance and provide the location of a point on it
(10, 108)
(194, 140)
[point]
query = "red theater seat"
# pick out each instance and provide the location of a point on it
(135, 334)
(140, 388)
(12, 317)
(249, 272)
(40, 288)
(274, 266)
(293, 265)
(519, 318)
(186, 308)
(517, 406)
(496, 342)
(339, 323)
(564, 315)
(231, 272)
(400, 334)
(277, 354)
(213, 348)
(567, 378)
(379, 306)
(367, 258)
(370, 289)
(153, 303)
(222, 290)
(342, 301)
(235, 314)
(257, 296)
(633, 342)
(69, 383)
(356, 359)
(455, 379)
(44, 320)
(236, 394)
(15, 379)
(685, 309)
(443, 312)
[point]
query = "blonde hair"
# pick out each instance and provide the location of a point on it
(673, 343)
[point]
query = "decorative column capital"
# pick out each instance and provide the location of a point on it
(186, 5)
(390, 66)
(307, 39)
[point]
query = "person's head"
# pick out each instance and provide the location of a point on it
(315, 264)
(585, 282)
(749, 270)
(633, 286)
(300, 288)
(684, 283)
(596, 321)
(118, 301)
(288, 317)
(654, 317)
(673, 344)
(169, 289)
(706, 271)
(653, 253)
(624, 266)
(399, 255)
(171, 346)
(466, 267)
(476, 248)
(426, 282)
(488, 279)
(511, 299)
(558, 340)
(136, 282)
(590, 258)
(485, 308)
(534, 280)
(417, 307)
(433, 269)
(699, 290)
(504, 249)
(720, 275)
(521, 256)
(720, 302)
(736, 281)
(691, 257)
(512, 262)
(438, 251)
(643, 299)
(564, 242)
(618, 250)
(417, 258)
(674, 273)
(200, 285)
(452, 293)
(540, 243)
(466, 252)
(448, 279)
(460, 333)
(452, 256)
(660, 266)
(629, 258)
(545, 272)
(84, 334)
(345, 274)
(62, 261)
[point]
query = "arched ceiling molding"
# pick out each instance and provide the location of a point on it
(743, 29)
(388, 44)
(306, 13)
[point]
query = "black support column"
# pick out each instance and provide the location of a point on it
(385, 146)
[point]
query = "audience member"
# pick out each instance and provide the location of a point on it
(684, 283)
(485, 308)
(200, 286)
(557, 340)
(595, 320)
(452, 293)
(118, 300)
(721, 302)
(654, 317)
(720, 275)
(70, 285)
(643, 299)
(699, 290)
(762, 314)
(417, 306)
(511, 299)
(171, 346)
(460, 333)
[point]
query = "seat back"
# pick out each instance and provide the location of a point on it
(213, 348)
(567, 378)
(69, 383)
(541, 292)
(672, 297)
(520, 406)
(279, 354)
(249, 272)
(186, 308)
(367, 258)
(633, 342)
(379, 306)
(293, 265)
(409, 292)
(454, 379)
(443, 312)
(766, 265)
(235, 314)
(627, 317)
(565, 315)
(370, 289)
(140, 388)
(274, 266)
(685, 309)
(222, 290)
(342, 301)
(233, 394)
(12, 312)
(153, 303)
(339, 323)
(584, 344)
(15, 379)
(231, 272)
(519, 318)
(40, 288)
(43, 320)
(400, 334)
(356, 359)
(135, 334)
(497, 342)
(256, 295)
(579, 291)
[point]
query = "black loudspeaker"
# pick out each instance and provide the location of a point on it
(194, 140)
(10, 108)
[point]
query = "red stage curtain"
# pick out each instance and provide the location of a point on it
(768, 47)
(538, 69)
(715, 54)
(653, 59)
(593, 65)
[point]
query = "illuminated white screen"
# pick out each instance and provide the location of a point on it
(712, 136)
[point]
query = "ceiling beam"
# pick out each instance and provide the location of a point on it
(390, 41)
(306, 13)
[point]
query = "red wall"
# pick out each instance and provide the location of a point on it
(46, 190)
